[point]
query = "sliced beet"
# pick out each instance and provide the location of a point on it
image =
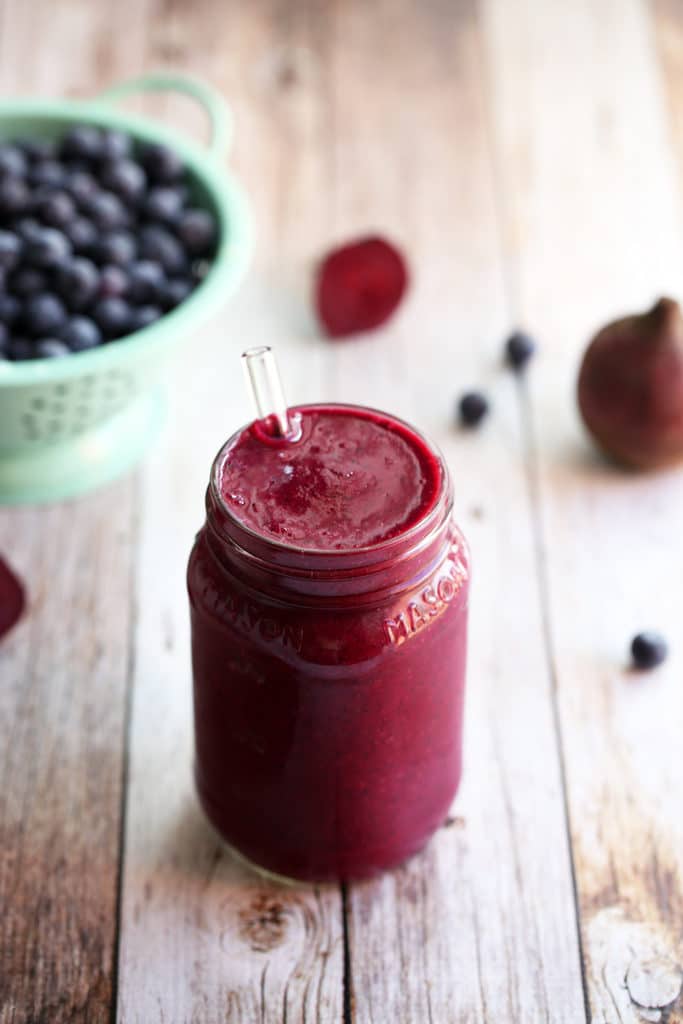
(359, 286)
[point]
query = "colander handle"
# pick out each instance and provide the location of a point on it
(211, 102)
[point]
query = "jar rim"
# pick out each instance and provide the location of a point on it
(254, 542)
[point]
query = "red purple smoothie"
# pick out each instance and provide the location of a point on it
(328, 596)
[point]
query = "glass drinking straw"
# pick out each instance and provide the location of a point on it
(265, 386)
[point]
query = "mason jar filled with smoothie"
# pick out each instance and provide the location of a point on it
(328, 593)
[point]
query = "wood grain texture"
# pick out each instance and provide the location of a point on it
(592, 224)
(481, 926)
(64, 672)
(203, 938)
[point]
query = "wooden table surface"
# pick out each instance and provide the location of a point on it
(528, 155)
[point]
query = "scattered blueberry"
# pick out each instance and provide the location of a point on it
(143, 316)
(27, 281)
(147, 281)
(47, 248)
(51, 348)
(649, 649)
(113, 282)
(43, 314)
(116, 247)
(15, 197)
(80, 333)
(82, 141)
(56, 209)
(197, 232)
(162, 164)
(126, 178)
(10, 249)
(78, 282)
(112, 316)
(473, 407)
(519, 348)
(13, 162)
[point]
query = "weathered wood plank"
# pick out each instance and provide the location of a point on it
(592, 226)
(64, 670)
(204, 939)
(62, 698)
(481, 927)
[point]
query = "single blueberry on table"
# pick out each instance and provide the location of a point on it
(51, 348)
(472, 408)
(649, 649)
(519, 348)
(43, 315)
(80, 333)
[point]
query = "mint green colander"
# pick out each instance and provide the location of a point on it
(68, 425)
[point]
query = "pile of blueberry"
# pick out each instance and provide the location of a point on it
(98, 238)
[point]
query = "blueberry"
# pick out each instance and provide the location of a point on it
(38, 149)
(164, 205)
(116, 145)
(158, 244)
(112, 317)
(116, 247)
(113, 282)
(106, 210)
(176, 291)
(81, 185)
(473, 407)
(13, 162)
(10, 307)
(147, 281)
(197, 231)
(82, 234)
(51, 348)
(143, 316)
(26, 281)
(15, 197)
(80, 333)
(162, 164)
(649, 649)
(82, 142)
(49, 248)
(43, 314)
(10, 249)
(78, 282)
(519, 348)
(57, 209)
(20, 348)
(4, 338)
(48, 172)
(126, 178)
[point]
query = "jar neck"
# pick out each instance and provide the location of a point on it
(284, 571)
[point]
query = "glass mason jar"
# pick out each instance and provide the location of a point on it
(328, 689)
